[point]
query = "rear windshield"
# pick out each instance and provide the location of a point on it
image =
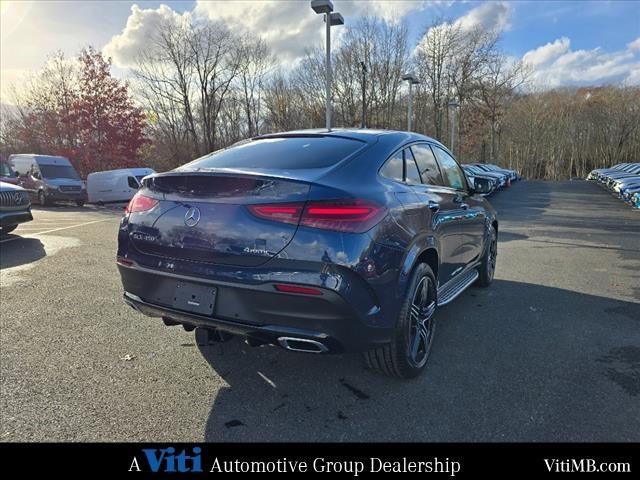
(289, 153)
(58, 171)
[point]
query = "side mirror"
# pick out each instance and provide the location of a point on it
(481, 185)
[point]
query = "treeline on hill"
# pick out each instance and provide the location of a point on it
(198, 88)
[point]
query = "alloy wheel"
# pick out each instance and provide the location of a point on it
(421, 326)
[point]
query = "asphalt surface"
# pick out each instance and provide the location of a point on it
(550, 352)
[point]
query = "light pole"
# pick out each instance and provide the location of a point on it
(453, 105)
(325, 7)
(413, 80)
(364, 93)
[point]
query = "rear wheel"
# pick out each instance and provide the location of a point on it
(42, 198)
(80, 203)
(488, 266)
(406, 356)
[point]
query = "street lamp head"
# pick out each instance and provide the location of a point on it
(322, 6)
(410, 77)
(336, 19)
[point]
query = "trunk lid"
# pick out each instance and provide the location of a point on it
(203, 217)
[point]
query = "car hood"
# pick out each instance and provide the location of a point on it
(9, 187)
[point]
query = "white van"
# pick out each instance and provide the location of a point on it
(115, 185)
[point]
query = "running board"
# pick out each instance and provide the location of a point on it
(456, 286)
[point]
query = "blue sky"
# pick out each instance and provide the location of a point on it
(567, 42)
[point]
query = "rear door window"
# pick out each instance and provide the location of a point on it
(413, 174)
(286, 153)
(453, 176)
(429, 170)
(393, 167)
(401, 167)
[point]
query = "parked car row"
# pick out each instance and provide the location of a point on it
(623, 180)
(498, 177)
(49, 179)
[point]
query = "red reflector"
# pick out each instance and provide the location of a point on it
(140, 203)
(283, 287)
(124, 262)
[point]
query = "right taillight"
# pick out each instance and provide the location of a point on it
(140, 203)
(350, 215)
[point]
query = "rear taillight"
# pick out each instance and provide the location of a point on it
(352, 215)
(140, 203)
(278, 212)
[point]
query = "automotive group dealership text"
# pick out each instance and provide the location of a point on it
(183, 463)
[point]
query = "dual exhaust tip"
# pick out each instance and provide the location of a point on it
(302, 345)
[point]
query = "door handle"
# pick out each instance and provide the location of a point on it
(434, 206)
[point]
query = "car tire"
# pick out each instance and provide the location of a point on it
(42, 198)
(488, 265)
(9, 229)
(80, 203)
(406, 356)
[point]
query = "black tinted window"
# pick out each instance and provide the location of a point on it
(451, 172)
(427, 164)
(413, 176)
(58, 171)
(132, 182)
(5, 170)
(290, 153)
(393, 168)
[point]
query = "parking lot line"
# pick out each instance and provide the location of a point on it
(57, 229)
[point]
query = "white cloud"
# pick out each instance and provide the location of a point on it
(141, 26)
(493, 16)
(635, 45)
(490, 15)
(546, 53)
(291, 27)
(555, 64)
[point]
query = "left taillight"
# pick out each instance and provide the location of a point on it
(140, 203)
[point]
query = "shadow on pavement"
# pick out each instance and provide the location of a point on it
(20, 251)
(516, 361)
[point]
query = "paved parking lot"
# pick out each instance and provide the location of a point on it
(550, 352)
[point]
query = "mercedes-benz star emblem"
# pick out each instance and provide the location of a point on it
(192, 217)
(17, 198)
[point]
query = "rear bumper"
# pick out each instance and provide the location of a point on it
(10, 218)
(257, 311)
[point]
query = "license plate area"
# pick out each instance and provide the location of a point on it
(194, 298)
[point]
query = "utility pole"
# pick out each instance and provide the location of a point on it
(453, 106)
(363, 123)
(325, 8)
(413, 80)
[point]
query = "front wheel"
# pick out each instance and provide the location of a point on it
(488, 265)
(42, 198)
(80, 203)
(9, 229)
(406, 356)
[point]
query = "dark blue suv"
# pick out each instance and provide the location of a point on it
(312, 240)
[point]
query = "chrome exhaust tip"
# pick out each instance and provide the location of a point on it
(302, 345)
